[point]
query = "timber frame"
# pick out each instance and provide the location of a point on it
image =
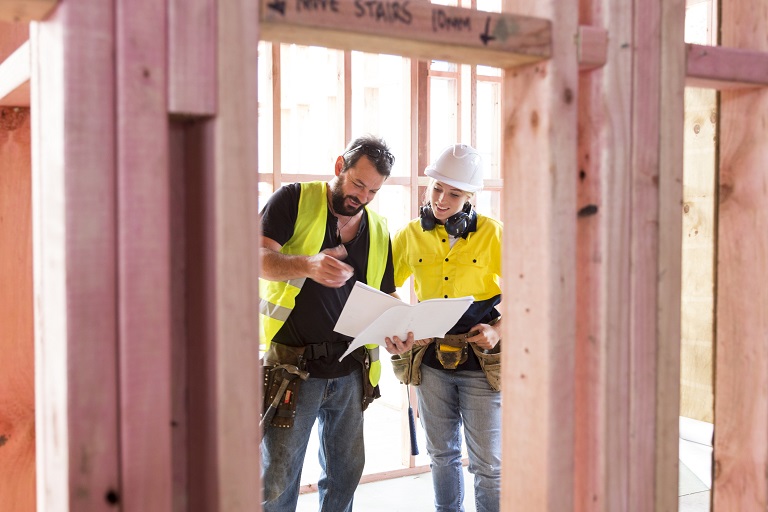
(144, 214)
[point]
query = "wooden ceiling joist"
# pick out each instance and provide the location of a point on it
(25, 10)
(418, 30)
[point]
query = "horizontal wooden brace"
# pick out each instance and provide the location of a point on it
(592, 47)
(418, 30)
(25, 10)
(717, 67)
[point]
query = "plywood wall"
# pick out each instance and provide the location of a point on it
(17, 393)
(697, 329)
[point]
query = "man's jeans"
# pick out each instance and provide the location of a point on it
(336, 403)
(446, 400)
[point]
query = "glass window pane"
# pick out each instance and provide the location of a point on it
(266, 107)
(381, 103)
(312, 108)
(489, 126)
(442, 114)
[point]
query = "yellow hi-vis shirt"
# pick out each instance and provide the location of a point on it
(471, 268)
(279, 297)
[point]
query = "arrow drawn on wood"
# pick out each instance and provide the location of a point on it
(486, 36)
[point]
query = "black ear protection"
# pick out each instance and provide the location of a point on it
(456, 225)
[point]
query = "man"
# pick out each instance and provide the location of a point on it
(317, 240)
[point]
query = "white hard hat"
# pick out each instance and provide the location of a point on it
(460, 166)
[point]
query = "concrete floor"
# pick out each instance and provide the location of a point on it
(414, 493)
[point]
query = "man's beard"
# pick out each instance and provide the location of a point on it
(338, 200)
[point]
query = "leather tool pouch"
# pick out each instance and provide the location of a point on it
(370, 392)
(452, 350)
(407, 366)
(276, 362)
(490, 362)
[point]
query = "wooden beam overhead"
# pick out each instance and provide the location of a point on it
(417, 30)
(25, 10)
(718, 67)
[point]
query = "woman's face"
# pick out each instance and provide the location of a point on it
(446, 200)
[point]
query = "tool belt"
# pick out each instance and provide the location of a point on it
(451, 350)
(407, 366)
(284, 370)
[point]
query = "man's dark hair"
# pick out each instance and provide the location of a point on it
(374, 148)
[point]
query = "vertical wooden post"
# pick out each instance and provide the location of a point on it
(741, 353)
(143, 229)
(660, 134)
(226, 347)
(602, 410)
(74, 240)
(17, 391)
(539, 160)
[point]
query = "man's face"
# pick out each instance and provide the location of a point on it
(356, 187)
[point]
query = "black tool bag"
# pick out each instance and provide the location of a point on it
(284, 370)
(370, 392)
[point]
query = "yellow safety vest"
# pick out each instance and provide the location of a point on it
(278, 298)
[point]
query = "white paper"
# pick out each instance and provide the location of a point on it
(370, 315)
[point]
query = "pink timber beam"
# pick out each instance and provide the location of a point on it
(143, 255)
(74, 244)
(718, 67)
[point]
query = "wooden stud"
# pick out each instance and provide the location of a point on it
(741, 350)
(539, 158)
(17, 390)
(74, 241)
(143, 253)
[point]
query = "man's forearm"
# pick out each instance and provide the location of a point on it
(276, 266)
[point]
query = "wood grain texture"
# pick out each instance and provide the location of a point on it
(669, 59)
(192, 57)
(741, 364)
(222, 260)
(12, 35)
(698, 251)
(74, 229)
(411, 29)
(539, 158)
(719, 67)
(20, 11)
(144, 262)
(17, 389)
(603, 267)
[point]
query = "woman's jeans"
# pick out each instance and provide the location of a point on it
(448, 399)
(337, 405)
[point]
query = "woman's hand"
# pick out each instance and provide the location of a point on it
(488, 336)
(396, 346)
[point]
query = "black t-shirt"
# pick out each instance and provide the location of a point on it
(318, 307)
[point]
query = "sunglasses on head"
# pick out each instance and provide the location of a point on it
(374, 152)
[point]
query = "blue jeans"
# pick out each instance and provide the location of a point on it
(448, 399)
(337, 405)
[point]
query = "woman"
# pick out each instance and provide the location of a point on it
(452, 251)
